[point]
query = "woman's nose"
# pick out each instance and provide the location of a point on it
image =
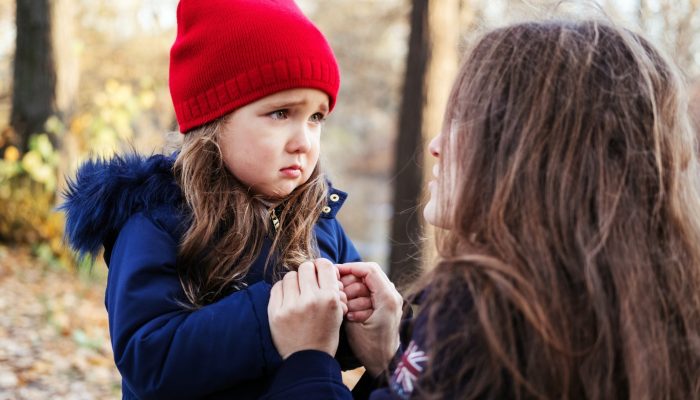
(434, 146)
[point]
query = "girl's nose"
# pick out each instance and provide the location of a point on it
(300, 141)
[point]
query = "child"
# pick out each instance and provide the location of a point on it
(193, 241)
(568, 191)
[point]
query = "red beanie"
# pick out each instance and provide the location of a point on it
(229, 53)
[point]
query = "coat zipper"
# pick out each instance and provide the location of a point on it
(274, 219)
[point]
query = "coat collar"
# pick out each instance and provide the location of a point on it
(105, 193)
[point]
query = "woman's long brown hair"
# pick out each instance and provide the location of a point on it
(228, 224)
(570, 177)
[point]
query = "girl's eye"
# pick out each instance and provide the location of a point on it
(318, 117)
(279, 114)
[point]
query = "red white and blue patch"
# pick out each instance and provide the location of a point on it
(408, 371)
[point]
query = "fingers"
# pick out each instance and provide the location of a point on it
(310, 280)
(276, 296)
(359, 316)
(357, 289)
(327, 274)
(343, 297)
(349, 279)
(370, 273)
(307, 278)
(342, 294)
(290, 287)
(360, 309)
(383, 293)
(304, 316)
(359, 304)
(343, 303)
(358, 269)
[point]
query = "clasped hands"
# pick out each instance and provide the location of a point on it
(307, 307)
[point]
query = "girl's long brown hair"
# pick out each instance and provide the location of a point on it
(570, 177)
(228, 224)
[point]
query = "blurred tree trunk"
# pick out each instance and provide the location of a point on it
(67, 80)
(34, 80)
(429, 71)
(65, 57)
(405, 256)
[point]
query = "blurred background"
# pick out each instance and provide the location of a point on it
(86, 78)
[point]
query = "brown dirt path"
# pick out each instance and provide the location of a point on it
(54, 341)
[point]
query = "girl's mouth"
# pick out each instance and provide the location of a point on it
(292, 171)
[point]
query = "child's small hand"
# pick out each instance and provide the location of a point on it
(359, 302)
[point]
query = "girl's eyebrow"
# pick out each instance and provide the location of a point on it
(293, 103)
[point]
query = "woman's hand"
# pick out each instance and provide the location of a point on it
(375, 340)
(306, 309)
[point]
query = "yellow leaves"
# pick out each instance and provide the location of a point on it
(33, 164)
(112, 86)
(147, 99)
(40, 161)
(53, 125)
(111, 122)
(26, 209)
(80, 123)
(11, 154)
(27, 192)
(31, 160)
(28, 181)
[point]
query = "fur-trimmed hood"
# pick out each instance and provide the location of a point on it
(105, 193)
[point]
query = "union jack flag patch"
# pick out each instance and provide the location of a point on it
(408, 370)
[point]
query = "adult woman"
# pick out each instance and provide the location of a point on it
(570, 260)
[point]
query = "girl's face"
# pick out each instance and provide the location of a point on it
(433, 212)
(272, 145)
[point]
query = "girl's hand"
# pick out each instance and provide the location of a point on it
(305, 309)
(359, 302)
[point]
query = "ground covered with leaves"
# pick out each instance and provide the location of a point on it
(54, 340)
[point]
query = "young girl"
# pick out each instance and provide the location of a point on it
(193, 241)
(567, 187)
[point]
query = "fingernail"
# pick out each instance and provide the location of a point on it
(351, 316)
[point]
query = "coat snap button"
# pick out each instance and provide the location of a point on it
(335, 197)
(326, 210)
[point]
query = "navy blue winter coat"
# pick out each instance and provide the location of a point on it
(133, 207)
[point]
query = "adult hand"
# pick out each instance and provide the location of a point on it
(375, 340)
(306, 310)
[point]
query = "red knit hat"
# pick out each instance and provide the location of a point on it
(229, 53)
